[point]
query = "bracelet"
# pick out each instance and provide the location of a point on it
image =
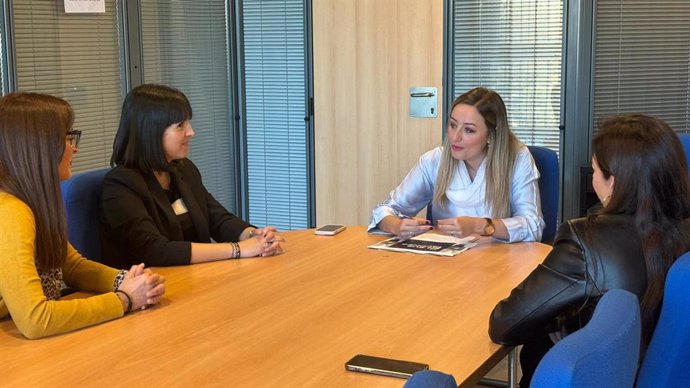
(236, 253)
(129, 300)
(119, 278)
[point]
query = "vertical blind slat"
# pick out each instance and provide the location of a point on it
(3, 86)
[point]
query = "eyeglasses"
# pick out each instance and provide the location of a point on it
(73, 138)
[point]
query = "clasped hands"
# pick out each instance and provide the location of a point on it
(144, 287)
(266, 242)
(456, 226)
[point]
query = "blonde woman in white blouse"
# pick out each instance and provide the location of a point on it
(481, 181)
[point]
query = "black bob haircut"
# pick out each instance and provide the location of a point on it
(147, 111)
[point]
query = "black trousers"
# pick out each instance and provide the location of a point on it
(532, 352)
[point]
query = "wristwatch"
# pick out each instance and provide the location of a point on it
(489, 228)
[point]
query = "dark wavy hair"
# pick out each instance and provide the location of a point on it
(146, 112)
(33, 128)
(651, 182)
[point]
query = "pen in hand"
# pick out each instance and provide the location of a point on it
(412, 229)
(406, 217)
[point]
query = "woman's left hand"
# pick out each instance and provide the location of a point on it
(461, 226)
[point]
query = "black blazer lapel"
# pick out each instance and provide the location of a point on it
(172, 227)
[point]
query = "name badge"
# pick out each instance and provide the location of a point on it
(179, 207)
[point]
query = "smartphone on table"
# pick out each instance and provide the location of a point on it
(329, 230)
(384, 366)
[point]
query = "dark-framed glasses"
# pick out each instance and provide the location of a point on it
(73, 138)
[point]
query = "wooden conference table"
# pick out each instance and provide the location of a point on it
(290, 321)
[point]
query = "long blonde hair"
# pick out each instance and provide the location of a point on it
(502, 150)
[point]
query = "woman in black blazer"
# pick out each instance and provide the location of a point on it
(155, 208)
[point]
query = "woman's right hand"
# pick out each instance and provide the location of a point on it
(143, 286)
(409, 227)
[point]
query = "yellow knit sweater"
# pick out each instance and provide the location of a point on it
(21, 294)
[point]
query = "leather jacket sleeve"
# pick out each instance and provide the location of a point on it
(556, 283)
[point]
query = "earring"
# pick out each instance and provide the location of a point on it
(606, 200)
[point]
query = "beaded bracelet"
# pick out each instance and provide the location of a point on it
(119, 278)
(129, 300)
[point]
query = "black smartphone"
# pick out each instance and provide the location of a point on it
(329, 230)
(384, 366)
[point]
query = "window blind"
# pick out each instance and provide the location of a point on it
(76, 57)
(275, 107)
(515, 48)
(3, 67)
(186, 45)
(642, 60)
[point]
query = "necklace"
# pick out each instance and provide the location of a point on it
(471, 171)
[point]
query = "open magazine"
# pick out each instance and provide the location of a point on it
(429, 243)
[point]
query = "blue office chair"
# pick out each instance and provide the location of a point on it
(430, 379)
(82, 196)
(667, 361)
(547, 164)
(604, 353)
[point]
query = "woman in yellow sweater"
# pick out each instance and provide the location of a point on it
(36, 148)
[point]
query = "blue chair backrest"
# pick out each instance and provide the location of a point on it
(667, 361)
(547, 164)
(685, 140)
(82, 196)
(604, 353)
(430, 379)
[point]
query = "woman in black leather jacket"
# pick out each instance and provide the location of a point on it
(641, 178)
